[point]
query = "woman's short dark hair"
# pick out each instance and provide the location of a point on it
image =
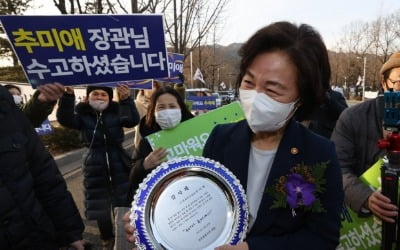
(150, 117)
(307, 51)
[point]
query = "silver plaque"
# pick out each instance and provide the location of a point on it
(189, 203)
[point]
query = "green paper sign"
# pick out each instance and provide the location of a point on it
(362, 233)
(189, 137)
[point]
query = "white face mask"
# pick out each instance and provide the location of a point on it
(168, 118)
(17, 99)
(264, 113)
(98, 105)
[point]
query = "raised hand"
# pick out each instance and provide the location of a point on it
(123, 91)
(69, 90)
(50, 92)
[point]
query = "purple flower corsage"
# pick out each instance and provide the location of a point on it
(300, 189)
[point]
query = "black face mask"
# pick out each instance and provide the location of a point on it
(387, 87)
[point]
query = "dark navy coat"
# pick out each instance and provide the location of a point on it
(277, 228)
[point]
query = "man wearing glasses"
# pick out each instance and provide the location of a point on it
(390, 72)
(356, 135)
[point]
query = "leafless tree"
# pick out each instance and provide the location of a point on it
(14, 7)
(142, 6)
(188, 23)
(375, 41)
(388, 36)
(355, 45)
(11, 7)
(88, 6)
(355, 38)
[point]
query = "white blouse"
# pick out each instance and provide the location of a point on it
(260, 162)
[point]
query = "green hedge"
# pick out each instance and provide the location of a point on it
(62, 140)
(12, 74)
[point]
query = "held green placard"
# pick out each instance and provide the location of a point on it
(189, 137)
(362, 233)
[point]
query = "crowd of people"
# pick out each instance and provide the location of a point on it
(294, 123)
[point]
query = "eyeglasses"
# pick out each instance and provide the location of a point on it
(394, 81)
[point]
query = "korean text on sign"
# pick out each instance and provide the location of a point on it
(88, 49)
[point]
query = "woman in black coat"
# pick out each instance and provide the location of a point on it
(166, 110)
(106, 164)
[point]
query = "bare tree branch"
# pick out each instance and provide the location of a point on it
(122, 7)
(79, 6)
(61, 6)
(194, 14)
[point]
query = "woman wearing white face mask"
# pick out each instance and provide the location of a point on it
(142, 102)
(166, 110)
(106, 172)
(41, 104)
(284, 71)
(16, 94)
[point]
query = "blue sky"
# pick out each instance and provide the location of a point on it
(244, 17)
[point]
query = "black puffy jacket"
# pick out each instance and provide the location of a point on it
(105, 168)
(36, 209)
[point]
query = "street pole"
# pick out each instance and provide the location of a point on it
(191, 69)
(363, 86)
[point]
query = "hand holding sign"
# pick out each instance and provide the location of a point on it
(155, 158)
(123, 91)
(69, 90)
(50, 92)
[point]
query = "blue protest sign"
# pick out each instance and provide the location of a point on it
(45, 128)
(88, 49)
(202, 102)
(175, 66)
(134, 84)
